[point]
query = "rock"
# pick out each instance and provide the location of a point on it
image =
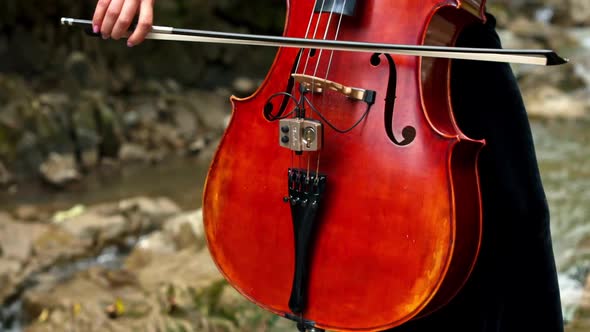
(209, 151)
(172, 86)
(79, 72)
(131, 152)
(155, 242)
(184, 269)
(160, 295)
(186, 229)
(580, 12)
(144, 112)
(179, 232)
(105, 126)
(226, 120)
(548, 101)
(10, 277)
(57, 245)
(581, 66)
(29, 153)
(98, 229)
(112, 223)
(166, 136)
(539, 35)
(13, 87)
(244, 86)
(154, 87)
(29, 212)
(192, 218)
(5, 218)
(557, 93)
(82, 302)
(197, 146)
(185, 123)
(581, 320)
(126, 73)
(156, 156)
(585, 301)
(131, 119)
(185, 237)
(6, 178)
(16, 239)
(211, 108)
(10, 132)
(564, 78)
(59, 170)
(152, 211)
(22, 255)
(56, 100)
(229, 298)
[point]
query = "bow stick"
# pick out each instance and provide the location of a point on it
(531, 57)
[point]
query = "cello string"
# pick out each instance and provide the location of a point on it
(319, 57)
(317, 172)
(317, 64)
(306, 61)
(335, 38)
(307, 30)
(308, 168)
(314, 33)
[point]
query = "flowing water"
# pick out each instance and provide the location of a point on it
(180, 179)
(563, 150)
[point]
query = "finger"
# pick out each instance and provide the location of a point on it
(144, 25)
(99, 12)
(111, 17)
(125, 18)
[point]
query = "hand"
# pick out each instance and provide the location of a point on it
(112, 18)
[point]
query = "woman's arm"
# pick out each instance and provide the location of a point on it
(112, 18)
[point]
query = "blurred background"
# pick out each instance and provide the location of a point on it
(104, 151)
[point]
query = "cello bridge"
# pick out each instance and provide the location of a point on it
(318, 85)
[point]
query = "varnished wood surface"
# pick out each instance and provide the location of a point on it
(395, 221)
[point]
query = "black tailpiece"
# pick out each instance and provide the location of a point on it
(305, 192)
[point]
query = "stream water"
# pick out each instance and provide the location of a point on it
(563, 150)
(180, 179)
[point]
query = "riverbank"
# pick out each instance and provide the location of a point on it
(117, 266)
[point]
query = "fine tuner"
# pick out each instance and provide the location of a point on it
(531, 57)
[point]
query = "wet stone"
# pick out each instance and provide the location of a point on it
(6, 177)
(59, 170)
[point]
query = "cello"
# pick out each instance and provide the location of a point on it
(371, 215)
(343, 194)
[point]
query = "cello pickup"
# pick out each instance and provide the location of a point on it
(301, 135)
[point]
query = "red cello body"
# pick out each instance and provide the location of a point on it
(397, 228)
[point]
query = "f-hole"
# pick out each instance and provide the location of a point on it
(409, 132)
(269, 107)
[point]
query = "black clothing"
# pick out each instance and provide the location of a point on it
(514, 286)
